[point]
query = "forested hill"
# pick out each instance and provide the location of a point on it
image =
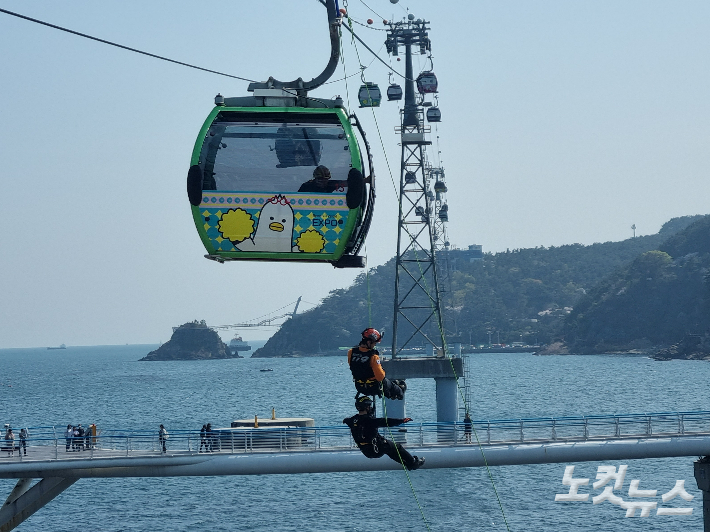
(520, 294)
(662, 297)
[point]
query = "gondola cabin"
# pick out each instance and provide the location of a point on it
(427, 83)
(369, 95)
(433, 114)
(281, 183)
(394, 92)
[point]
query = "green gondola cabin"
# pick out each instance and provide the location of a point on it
(252, 188)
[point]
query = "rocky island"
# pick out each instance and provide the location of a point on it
(692, 347)
(192, 341)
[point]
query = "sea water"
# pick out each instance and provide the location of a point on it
(107, 385)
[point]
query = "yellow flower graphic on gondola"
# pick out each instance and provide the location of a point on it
(236, 225)
(310, 241)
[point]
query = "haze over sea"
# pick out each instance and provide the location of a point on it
(107, 385)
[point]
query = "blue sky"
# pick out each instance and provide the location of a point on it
(562, 122)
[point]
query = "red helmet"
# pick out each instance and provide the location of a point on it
(372, 334)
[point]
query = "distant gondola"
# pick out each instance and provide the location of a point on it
(369, 95)
(433, 114)
(427, 83)
(394, 92)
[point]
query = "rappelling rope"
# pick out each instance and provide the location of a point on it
(439, 326)
(384, 407)
(406, 471)
(458, 387)
(369, 299)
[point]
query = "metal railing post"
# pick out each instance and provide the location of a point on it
(489, 433)
(232, 440)
(649, 429)
(617, 428)
(522, 436)
(681, 425)
(554, 430)
(586, 428)
(56, 443)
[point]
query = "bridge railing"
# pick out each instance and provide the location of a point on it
(52, 443)
(580, 428)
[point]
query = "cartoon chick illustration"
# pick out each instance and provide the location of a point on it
(275, 229)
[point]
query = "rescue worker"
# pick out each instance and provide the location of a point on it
(371, 443)
(369, 377)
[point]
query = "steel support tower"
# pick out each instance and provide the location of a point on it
(417, 305)
(437, 179)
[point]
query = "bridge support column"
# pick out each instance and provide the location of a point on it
(24, 501)
(447, 407)
(20, 488)
(702, 477)
(396, 409)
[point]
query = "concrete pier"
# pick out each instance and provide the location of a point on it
(443, 370)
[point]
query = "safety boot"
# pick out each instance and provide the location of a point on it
(418, 462)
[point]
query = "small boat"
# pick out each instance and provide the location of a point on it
(60, 347)
(266, 369)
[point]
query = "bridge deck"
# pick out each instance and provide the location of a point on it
(330, 449)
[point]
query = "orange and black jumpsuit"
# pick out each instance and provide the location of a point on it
(372, 444)
(368, 374)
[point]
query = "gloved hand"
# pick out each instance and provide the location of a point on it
(406, 420)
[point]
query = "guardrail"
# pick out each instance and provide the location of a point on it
(50, 443)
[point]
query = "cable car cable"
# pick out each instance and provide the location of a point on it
(366, 46)
(351, 75)
(368, 7)
(369, 27)
(121, 45)
(377, 125)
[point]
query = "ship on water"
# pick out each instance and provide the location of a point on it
(236, 344)
(63, 346)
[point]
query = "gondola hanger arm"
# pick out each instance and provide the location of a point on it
(299, 84)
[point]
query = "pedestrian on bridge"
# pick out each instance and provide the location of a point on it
(212, 440)
(162, 436)
(203, 438)
(24, 433)
(69, 435)
(10, 442)
(364, 428)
